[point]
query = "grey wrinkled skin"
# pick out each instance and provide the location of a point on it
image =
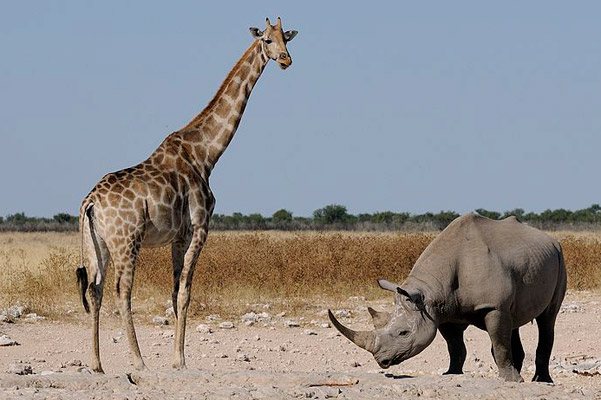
(495, 275)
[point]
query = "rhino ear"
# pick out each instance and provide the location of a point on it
(384, 284)
(380, 319)
(416, 297)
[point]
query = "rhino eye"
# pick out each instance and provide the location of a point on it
(403, 333)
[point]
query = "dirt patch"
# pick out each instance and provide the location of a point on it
(274, 359)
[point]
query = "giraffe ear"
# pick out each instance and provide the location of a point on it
(289, 35)
(255, 33)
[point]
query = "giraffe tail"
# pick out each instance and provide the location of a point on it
(81, 272)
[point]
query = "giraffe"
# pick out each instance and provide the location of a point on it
(166, 199)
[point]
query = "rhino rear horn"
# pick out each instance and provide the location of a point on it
(380, 319)
(363, 339)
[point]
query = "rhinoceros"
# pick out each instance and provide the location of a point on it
(495, 275)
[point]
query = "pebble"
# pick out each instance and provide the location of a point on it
(7, 341)
(309, 332)
(20, 369)
(158, 320)
(291, 324)
(342, 313)
(34, 317)
(243, 357)
(204, 328)
(226, 325)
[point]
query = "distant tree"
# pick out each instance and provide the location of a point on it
(364, 217)
(444, 218)
(331, 214)
(384, 217)
(17, 218)
(488, 214)
(64, 218)
(1, 220)
(516, 212)
(256, 220)
(281, 216)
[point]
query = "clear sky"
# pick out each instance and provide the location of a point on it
(403, 106)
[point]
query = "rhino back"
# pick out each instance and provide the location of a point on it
(483, 264)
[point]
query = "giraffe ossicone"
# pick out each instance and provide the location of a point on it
(166, 199)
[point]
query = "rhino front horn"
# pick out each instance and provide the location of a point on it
(363, 339)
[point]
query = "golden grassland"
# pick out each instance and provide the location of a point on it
(290, 270)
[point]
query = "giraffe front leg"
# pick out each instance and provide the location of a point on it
(184, 285)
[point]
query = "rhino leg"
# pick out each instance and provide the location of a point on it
(453, 334)
(517, 351)
(499, 328)
(546, 335)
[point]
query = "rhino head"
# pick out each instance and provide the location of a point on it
(399, 335)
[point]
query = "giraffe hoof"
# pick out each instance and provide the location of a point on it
(179, 366)
(141, 367)
(98, 370)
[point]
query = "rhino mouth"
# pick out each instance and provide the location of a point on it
(385, 364)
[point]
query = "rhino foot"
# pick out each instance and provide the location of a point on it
(453, 372)
(542, 378)
(510, 374)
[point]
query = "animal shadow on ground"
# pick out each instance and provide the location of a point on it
(395, 376)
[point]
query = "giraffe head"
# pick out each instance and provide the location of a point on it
(274, 40)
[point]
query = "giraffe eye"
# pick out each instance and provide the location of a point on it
(268, 41)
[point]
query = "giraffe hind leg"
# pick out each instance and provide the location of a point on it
(97, 256)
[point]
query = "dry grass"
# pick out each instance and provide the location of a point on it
(236, 270)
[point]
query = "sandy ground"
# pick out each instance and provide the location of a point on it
(272, 360)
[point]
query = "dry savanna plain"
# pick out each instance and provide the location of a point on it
(258, 327)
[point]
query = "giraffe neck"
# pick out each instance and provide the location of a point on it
(207, 136)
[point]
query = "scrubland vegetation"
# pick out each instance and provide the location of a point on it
(335, 217)
(289, 270)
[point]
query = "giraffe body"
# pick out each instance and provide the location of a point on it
(166, 199)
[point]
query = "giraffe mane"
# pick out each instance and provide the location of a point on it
(224, 85)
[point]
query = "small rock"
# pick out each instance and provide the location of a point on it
(342, 313)
(15, 311)
(213, 317)
(243, 357)
(204, 328)
(281, 315)
(571, 308)
(249, 323)
(20, 369)
(34, 317)
(44, 373)
(309, 332)
(226, 325)
(6, 319)
(6, 341)
(291, 324)
(158, 320)
(250, 317)
(221, 355)
(74, 363)
(325, 325)
(355, 364)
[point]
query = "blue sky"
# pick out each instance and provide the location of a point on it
(403, 106)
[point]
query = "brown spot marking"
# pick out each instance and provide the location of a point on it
(129, 194)
(222, 108)
(233, 89)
